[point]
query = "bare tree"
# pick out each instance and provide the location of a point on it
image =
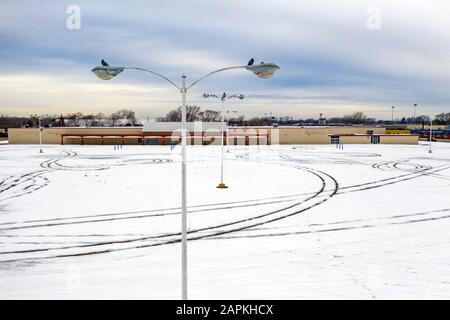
(89, 120)
(257, 122)
(192, 114)
(209, 116)
(128, 115)
(74, 119)
(114, 117)
(443, 118)
(174, 115)
(101, 120)
(355, 118)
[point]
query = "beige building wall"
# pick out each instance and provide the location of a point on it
(31, 136)
(355, 139)
(305, 135)
(399, 139)
(280, 135)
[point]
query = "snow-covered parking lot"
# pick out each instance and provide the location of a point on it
(369, 221)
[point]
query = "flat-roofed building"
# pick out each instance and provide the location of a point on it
(204, 133)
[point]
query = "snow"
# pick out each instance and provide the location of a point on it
(297, 222)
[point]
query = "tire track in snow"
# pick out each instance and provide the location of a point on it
(194, 234)
(123, 216)
(19, 185)
(396, 165)
(440, 215)
(212, 231)
(22, 184)
(382, 182)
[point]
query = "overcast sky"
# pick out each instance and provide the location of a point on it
(335, 57)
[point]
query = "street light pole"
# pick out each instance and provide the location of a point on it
(393, 114)
(40, 135)
(431, 133)
(40, 131)
(222, 130)
(107, 72)
(415, 106)
(221, 184)
(184, 289)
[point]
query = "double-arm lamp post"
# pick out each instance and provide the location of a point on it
(107, 72)
(222, 99)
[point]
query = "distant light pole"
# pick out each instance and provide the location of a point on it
(222, 99)
(415, 106)
(431, 133)
(262, 70)
(40, 131)
(392, 114)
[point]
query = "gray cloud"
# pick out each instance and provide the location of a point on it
(330, 61)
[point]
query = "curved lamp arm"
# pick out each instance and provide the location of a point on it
(211, 73)
(154, 73)
(262, 70)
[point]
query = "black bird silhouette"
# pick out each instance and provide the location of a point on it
(104, 63)
(251, 62)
